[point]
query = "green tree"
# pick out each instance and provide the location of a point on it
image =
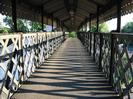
(103, 27)
(20, 24)
(35, 26)
(93, 28)
(0, 25)
(128, 28)
(72, 34)
(4, 30)
(8, 22)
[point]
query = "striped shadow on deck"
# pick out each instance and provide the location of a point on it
(69, 74)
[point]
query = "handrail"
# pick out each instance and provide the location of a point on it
(111, 52)
(21, 54)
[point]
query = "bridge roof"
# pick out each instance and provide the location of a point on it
(72, 13)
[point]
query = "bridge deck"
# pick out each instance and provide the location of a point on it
(69, 74)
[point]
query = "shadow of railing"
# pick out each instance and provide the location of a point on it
(114, 56)
(21, 54)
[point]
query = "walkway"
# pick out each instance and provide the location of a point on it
(69, 74)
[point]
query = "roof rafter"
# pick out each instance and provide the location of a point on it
(94, 2)
(57, 10)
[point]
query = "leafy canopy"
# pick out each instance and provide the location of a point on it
(128, 28)
(23, 25)
(103, 27)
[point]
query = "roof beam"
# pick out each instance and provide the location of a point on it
(66, 19)
(84, 10)
(57, 10)
(46, 2)
(66, 3)
(94, 2)
(75, 5)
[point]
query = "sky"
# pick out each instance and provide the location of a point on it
(1, 19)
(112, 24)
(124, 19)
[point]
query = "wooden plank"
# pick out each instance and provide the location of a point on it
(69, 73)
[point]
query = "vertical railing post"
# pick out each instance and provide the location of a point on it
(21, 58)
(87, 41)
(64, 36)
(37, 49)
(90, 43)
(100, 55)
(111, 60)
(94, 47)
(14, 18)
(52, 43)
(47, 42)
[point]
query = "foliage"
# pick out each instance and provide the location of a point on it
(103, 27)
(0, 25)
(128, 28)
(8, 22)
(93, 28)
(4, 30)
(72, 34)
(23, 25)
(35, 26)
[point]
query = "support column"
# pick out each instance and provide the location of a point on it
(42, 17)
(97, 18)
(97, 26)
(86, 26)
(90, 35)
(118, 3)
(47, 20)
(57, 24)
(52, 23)
(90, 23)
(118, 15)
(63, 31)
(14, 15)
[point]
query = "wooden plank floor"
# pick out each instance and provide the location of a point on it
(69, 74)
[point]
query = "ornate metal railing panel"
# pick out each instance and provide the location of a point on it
(30, 54)
(123, 63)
(113, 53)
(10, 66)
(42, 48)
(106, 54)
(21, 54)
(97, 47)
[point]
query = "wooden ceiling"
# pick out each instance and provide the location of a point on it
(72, 13)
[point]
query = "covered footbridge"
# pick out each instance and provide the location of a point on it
(48, 65)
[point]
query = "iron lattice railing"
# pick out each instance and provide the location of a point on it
(21, 54)
(113, 53)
